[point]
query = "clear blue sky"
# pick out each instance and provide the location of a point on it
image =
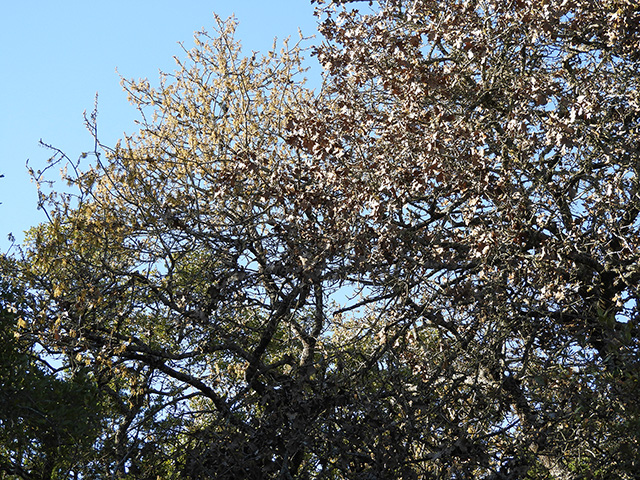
(56, 55)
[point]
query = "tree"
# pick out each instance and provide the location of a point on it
(49, 421)
(182, 270)
(502, 216)
(429, 269)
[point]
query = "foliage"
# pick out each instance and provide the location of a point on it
(429, 269)
(48, 423)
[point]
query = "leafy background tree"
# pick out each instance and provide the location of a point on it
(49, 422)
(428, 269)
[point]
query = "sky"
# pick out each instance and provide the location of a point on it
(57, 55)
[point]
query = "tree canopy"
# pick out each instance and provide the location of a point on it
(429, 268)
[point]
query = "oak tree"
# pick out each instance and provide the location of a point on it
(492, 150)
(426, 269)
(186, 275)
